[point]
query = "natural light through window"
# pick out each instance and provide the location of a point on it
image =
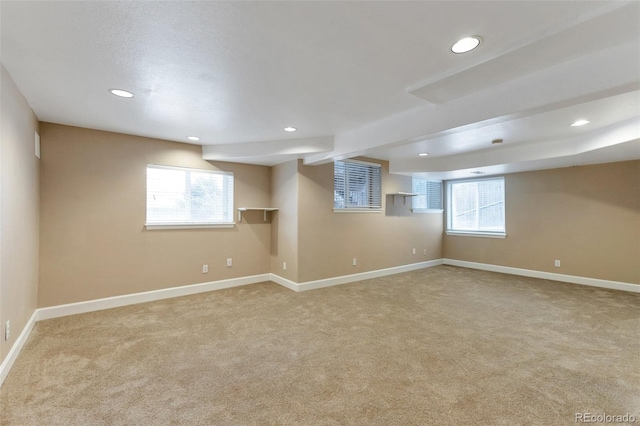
(357, 186)
(429, 195)
(476, 206)
(188, 197)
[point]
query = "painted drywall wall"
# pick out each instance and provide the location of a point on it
(93, 241)
(19, 210)
(284, 224)
(328, 241)
(93, 206)
(587, 217)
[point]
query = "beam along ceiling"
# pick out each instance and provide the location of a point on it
(374, 79)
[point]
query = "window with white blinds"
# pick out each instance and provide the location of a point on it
(357, 185)
(476, 206)
(178, 196)
(429, 198)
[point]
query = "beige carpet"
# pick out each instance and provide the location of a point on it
(439, 346)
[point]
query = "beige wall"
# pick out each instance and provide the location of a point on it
(328, 241)
(588, 217)
(93, 240)
(94, 244)
(19, 169)
(284, 226)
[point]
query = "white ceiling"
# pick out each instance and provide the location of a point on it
(356, 78)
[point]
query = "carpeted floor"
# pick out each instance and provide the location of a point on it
(439, 346)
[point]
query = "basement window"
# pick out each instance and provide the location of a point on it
(429, 198)
(357, 186)
(188, 198)
(476, 207)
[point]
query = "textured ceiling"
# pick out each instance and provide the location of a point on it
(355, 78)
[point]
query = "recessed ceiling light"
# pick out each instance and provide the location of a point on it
(423, 154)
(466, 44)
(193, 138)
(121, 93)
(580, 123)
(477, 172)
(290, 129)
(497, 141)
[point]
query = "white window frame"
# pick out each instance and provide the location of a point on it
(469, 232)
(160, 224)
(372, 209)
(428, 209)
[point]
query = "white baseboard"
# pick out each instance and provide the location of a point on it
(147, 296)
(344, 279)
(132, 299)
(167, 293)
(594, 282)
(17, 347)
(291, 285)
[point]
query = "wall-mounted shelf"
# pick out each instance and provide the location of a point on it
(404, 195)
(264, 209)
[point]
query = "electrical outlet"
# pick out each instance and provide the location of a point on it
(229, 261)
(284, 266)
(205, 269)
(425, 252)
(355, 261)
(414, 251)
(7, 330)
(557, 263)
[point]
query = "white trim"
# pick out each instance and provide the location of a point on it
(476, 234)
(6, 365)
(420, 211)
(291, 285)
(147, 296)
(189, 169)
(152, 227)
(356, 210)
(344, 279)
(475, 179)
(594, 282)
(167, 293)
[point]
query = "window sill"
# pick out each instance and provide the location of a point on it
(427, 210)
(153, 227)
(477, 234)
(358, 210)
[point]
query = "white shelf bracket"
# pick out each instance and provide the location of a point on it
(404, 196)
(263, 209)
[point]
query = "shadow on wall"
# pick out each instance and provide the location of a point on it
(397, 205)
